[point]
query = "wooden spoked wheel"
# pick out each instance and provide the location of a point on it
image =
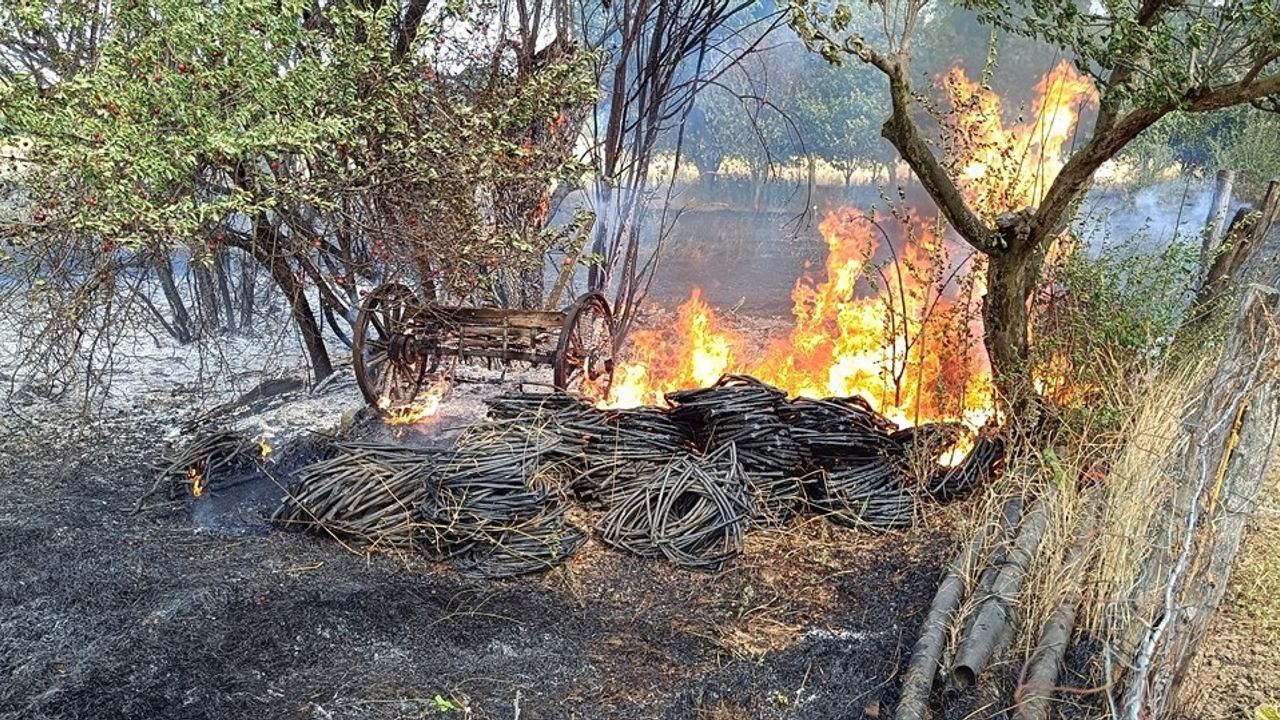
(584, 355)
(388, 373)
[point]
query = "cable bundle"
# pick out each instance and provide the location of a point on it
(215, 460)
(866, 495)
(615, 450)
(496, 505)
(743, 412)
(740, 414)
(543, 405)
(368, 491)
(694, 513)
(981, 464)
(835, 430)
(536, 544)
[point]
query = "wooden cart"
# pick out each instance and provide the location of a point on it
(401, 341)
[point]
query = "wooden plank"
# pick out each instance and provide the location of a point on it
(541, 358)
(498, 317)
(1229, 442)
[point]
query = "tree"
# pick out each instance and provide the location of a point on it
(656, 57)
(1242, 138)
(331, 144)
(1149, 60)
(836, 113)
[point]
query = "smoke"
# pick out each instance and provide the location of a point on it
(1118, 218)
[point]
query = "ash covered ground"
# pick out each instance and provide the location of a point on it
(107, 614)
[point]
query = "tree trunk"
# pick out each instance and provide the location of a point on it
(531, 276)
(1011, 280)
(224, 286)
(1245, 237)
(206, 298)
(181, 318)
(300, 308)
(248, 274)
(264, 246)
(1215, 223)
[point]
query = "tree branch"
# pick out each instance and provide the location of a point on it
(900, 129)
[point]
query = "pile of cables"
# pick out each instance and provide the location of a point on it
(365, 491)
(855, 462)
(693, 512)
(215, 460)
(739, 414)
(685, 483)
(496, 506)
(984, 461)
(609, 452)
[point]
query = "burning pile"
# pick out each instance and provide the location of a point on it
(894, 321)
(894, 318)
(684, 483)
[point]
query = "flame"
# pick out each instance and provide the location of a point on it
(694, 352)
(888, 329)
(1004, 168)
(896, 317)
(423, 406)
(956, 454)
(264, 447)
(196, 479)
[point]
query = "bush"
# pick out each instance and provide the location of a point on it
(1104, 323)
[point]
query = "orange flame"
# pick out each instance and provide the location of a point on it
(902, 331)
(882, 330)
(196, 479)
(1007, 168)
(423, 406)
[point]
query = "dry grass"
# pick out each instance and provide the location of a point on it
(1121, 473)
(1129, 549)
(1138, 495)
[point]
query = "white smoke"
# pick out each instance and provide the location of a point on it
(1150, 219)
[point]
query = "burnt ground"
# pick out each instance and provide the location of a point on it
(108, 615)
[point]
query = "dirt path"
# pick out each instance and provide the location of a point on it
(104, 615)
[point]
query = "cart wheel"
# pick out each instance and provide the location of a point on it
(385, 373)
(584, 355)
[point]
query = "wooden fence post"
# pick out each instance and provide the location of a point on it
(1215, 223)
(1231, 436)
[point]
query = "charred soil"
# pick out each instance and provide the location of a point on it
(107, 615)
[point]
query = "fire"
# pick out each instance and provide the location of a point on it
(424, 405)
(1003, 168)
(694, 352)
(891, 329)
(264, 448)
(196, 479)
(894, 320)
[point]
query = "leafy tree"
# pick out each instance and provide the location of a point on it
(837, 112)
(332, 144)
(1241, 138)
(1149, 60)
